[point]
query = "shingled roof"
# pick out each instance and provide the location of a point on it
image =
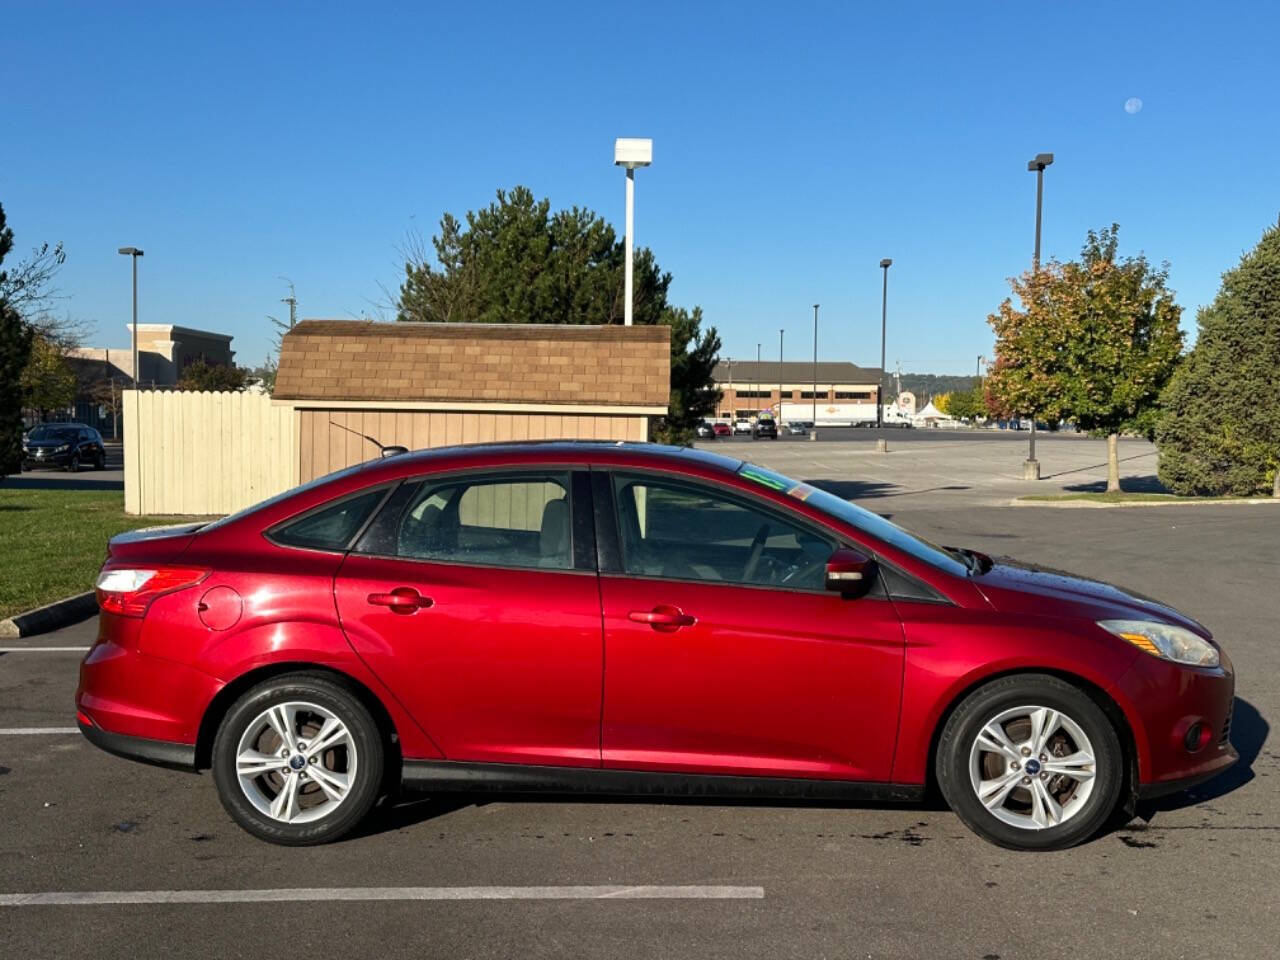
(491, 363)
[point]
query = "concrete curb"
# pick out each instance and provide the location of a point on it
(1103, 505)
(51, 616)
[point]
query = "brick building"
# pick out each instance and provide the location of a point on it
(431, 384)
(748, 386)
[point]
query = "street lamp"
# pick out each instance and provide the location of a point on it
(885, 264)
(813, 429)
(1031, 469)
(780, 333)
(135, 253)
(759, 386)
(630, 152)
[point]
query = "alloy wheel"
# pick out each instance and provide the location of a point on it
(1032, 767)
(296, 762)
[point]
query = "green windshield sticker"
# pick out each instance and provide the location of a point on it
(766, 480)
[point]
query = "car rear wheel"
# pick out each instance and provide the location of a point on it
(1031, 762)
(101, 462)
(74, 463)
(298, 760)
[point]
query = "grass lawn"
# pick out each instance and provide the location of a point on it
(1135, 497)
(52, 542)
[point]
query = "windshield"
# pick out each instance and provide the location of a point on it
(52, 433)
(864, 520)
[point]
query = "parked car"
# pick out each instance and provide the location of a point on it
(796, 429)
(434, 620)
(70, 445)
(721, 428)
(742, 425)
(766, 428)
(704, 430)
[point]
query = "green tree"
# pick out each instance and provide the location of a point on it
(15, 347)
(211, 377)
(48, 382)
(1096, 341)
(1219, 432)
(516, 261)
(966, 404)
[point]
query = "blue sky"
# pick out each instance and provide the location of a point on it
(794, 146)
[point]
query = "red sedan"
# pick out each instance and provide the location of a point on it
(633, 619)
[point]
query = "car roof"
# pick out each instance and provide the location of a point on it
(588, 451)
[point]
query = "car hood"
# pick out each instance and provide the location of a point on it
(1012, 586)
(46, 444)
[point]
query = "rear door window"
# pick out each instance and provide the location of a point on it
(522, 521)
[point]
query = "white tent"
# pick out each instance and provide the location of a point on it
(930, 413)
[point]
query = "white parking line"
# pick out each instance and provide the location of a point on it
(43, 649)
(108, 897)
(34, 731)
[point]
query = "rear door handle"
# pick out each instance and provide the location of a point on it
(663, 617)
(401, 600)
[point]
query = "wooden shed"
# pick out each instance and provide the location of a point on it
(433, 384)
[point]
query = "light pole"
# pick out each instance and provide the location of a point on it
(756, 392)
(630, 152)
(813, 429)
(780, 334)
(135, 253)
(977, 367)
(885, 264)
(1031, 469)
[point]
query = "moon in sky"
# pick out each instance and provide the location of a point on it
(1132, 105)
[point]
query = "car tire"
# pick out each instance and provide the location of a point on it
(1016, 814)
(358, 759)
(73, 465)
(101, 462)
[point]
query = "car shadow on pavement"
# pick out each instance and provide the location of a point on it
(871, 489)
(414, 808)
(1249, 730)
(67, 483)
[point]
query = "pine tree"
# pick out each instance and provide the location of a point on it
(15, 347)
(515, 261)
(1220, 430)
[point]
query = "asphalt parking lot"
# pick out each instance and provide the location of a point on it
(1194, 875)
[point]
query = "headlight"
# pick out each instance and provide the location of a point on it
(1165, 641)
(63, 449)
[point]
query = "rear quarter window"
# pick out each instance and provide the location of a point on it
(329, 527)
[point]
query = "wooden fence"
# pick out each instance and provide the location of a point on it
(205, 453)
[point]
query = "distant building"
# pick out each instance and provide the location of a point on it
(846, 393)
(164, 351)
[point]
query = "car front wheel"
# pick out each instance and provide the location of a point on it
(298, 760)
(1031, 762)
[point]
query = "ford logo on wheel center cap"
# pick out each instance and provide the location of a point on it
(297, 761)
(1032, 767)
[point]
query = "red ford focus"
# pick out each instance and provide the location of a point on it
(632, 619)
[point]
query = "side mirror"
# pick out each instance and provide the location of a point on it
(849, 571)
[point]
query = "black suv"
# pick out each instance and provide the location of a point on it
(70, 445)
(766, 428)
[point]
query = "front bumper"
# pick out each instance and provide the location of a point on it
(48, 460)
(1169, 700)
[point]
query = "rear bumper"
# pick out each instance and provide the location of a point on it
(160, 753)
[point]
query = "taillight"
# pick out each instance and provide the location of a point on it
(129, 591)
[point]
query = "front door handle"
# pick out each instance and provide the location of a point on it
(403, 600)
(663, 617)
